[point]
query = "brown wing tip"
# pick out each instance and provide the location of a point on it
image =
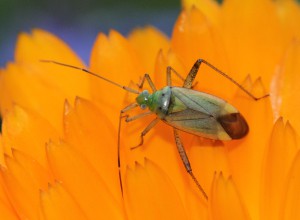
(234, 124)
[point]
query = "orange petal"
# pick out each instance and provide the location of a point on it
(22, 131)
(113, 57)
(279, 157)
(57, 203)
(7, 213)
(211, 9)
(286, 86)
(43, 45)
(253, 41)
(40, 86)
(34, 170)
(290, 204)
(194, 37)
(163, 60)
(246, 155)
(93, 136)
(160, 68)
(83, 183)
(207, 158)
(5, 201)
(288, 12)
(147, 42)
(2, 162)
(159, 146)
(226, 202)
(22, 189)
(149, 194)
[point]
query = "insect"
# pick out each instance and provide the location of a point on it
(184, 109)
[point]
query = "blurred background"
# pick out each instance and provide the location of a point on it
(77, 22)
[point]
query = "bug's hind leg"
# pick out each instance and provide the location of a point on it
(171, 70)
(194, 70)
(186, 162)
(188, 82)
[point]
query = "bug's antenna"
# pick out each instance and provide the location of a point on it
(93, 74)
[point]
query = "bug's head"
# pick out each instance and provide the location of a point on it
(142, 99)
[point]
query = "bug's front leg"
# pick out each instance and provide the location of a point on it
(145, 131)
(186, 162)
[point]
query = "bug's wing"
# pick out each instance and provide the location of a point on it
(204, 115)
(197, 123)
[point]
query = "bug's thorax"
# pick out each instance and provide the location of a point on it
(157, 102)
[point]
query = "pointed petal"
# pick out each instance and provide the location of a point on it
(253, 41)
(279, 156)
(35, 171)
(94, 137)
(211, 9)
(83, 183)
(57, 203)
(206, 159)
(43, 45)
(148, 42)
(286, 86)
(246, 155)
(5, 200)
(290, 204)
(194, 37)
(114, 58)
(22, 190)
(22, 126)
(149, 194)
(226, 202)
(38, 85)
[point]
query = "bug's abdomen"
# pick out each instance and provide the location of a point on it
(234, 124)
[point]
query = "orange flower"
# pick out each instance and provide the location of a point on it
(58, 147)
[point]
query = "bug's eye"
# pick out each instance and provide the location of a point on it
(145, 92)
(143, 106)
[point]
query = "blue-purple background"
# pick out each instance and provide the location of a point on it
(78, 22)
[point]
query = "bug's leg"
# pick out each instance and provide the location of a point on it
(149, 80)
(169, 71)
(188, 82)
(169, 80)
(135, 117)
(186, 162)
(193, 73)
(145, 131)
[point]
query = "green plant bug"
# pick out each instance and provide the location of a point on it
(184, 109)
